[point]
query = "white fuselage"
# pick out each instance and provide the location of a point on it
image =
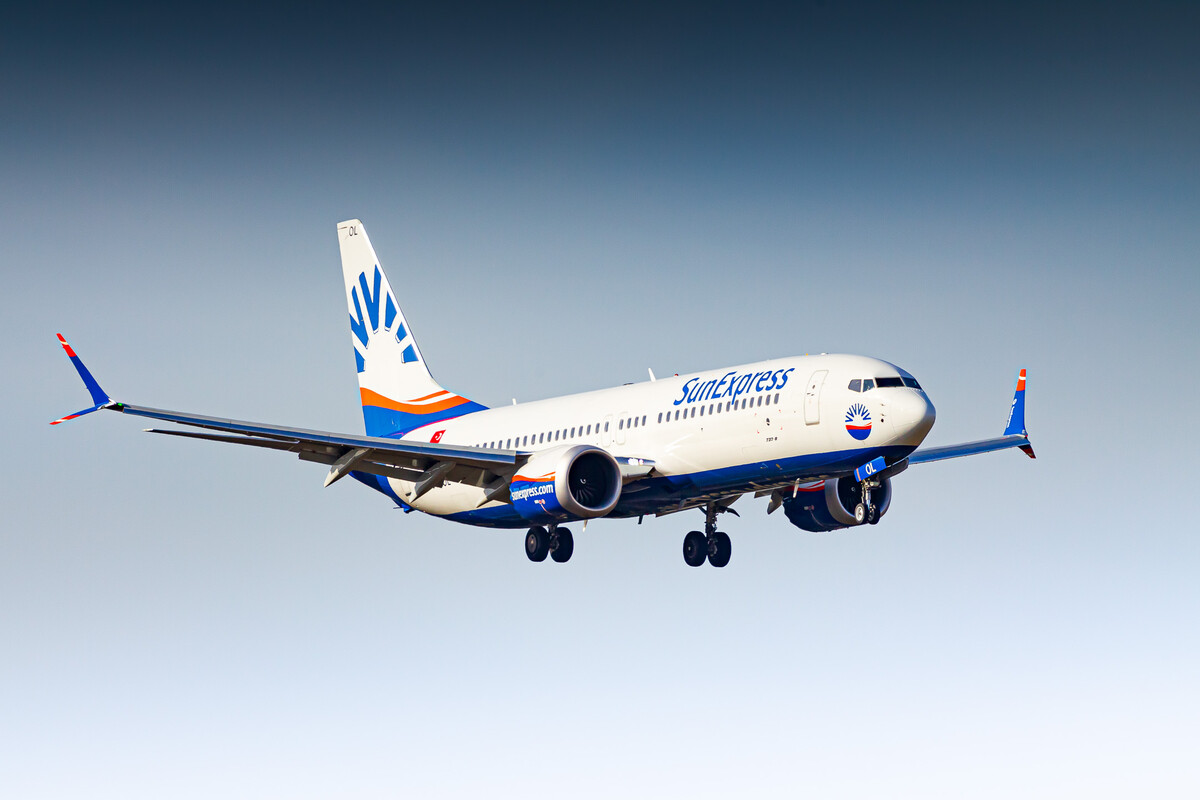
(749, 427)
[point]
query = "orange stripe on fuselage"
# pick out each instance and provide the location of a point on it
(431, 396)
(370, 398)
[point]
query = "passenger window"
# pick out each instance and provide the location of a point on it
(856, 385)
(677, 413)
(868, 384)
(660, 418)
(693, 411)
(606, 426)
(777, 398)
(643, 419)
(589, 430)
(620, 424)
(718, 408)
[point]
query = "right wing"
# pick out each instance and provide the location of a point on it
(427, 464)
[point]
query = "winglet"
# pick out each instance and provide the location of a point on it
(1016, 415)
(99, 397)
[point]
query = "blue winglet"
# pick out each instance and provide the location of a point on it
(1016, 414)
(99, 397)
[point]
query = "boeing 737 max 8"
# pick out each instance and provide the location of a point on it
(820, 436)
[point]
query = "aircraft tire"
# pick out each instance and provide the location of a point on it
(695, 548)
(722, 550)
(564, 546)
(860, 514)
(873, 514)
(537, 543)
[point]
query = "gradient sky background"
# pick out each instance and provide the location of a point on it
(563, 199)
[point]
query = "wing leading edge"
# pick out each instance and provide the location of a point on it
(1015, 435)
(421, 462)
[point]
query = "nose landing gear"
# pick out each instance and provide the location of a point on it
(866, 511)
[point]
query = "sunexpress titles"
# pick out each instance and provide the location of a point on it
(733, 385)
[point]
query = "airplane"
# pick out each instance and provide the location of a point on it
(820, 436)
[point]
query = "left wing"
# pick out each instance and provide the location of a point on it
(1014, 435)
(428, 464)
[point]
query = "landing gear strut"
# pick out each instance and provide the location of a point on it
(712, 545)
(866, 511)
(557, 542)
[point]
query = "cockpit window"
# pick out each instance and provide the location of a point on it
(912, 383)
(888, 383)
(856, 385)
(868, 384)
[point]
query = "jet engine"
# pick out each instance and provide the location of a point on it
(571, 482)
(832, 507)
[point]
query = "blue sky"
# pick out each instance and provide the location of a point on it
(563, 199)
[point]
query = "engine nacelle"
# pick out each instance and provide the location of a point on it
(828, 508)
(579, 481)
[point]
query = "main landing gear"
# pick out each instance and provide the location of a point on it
(712, 545)
(866, 511)
(557, 542)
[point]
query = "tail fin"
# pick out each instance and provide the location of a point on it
(398, 393)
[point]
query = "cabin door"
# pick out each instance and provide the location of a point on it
(812, 397)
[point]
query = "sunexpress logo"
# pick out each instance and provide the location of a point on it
(536, 490)
(733, 385)
(369, 298)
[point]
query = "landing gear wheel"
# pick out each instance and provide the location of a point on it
(873, 514)
(719, 549)
(563, 545)
(695, 548)
(537, 543)
(860, 514)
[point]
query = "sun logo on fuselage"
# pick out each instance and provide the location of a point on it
(366, 321)
(858, 421)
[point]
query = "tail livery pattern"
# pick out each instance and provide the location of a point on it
(398, 393)
(366, 297)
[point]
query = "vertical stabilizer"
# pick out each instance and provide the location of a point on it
(398, 393)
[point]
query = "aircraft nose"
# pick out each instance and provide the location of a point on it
(913, 416)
